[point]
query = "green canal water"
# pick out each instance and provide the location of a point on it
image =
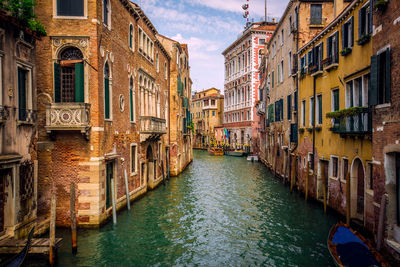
(221, 211)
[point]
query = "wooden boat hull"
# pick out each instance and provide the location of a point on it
(235, 153)
(215, 151)
(347, 247)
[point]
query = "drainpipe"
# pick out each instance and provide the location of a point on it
(314, 116)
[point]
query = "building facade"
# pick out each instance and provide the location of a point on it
(242, 81)
(207, 113)
(385, 101)
(300, 22)
(103, 79)
(179, 123)
(334, 115)
(18, 128)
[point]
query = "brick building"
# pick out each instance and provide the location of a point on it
(385, 96)
(180, 135)
(103, 79)
(18, 127)
(207, 110)
(242, 80)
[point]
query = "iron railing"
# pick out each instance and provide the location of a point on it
(152, 125)
(360, 123)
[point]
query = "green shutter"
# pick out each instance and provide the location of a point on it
(343, 37)
(57, 83)
(352, 31)
(360, 28)
(79, 83)
(273, 79)
(336, 100)
(21, 89)
(106, 98)
(131, 103)
(387, 76)
(130, 35)
(373, 87)
(277, 76)
(320, 109)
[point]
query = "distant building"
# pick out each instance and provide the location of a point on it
(18, 128)
(242, 80)
(207, 112)
(179, 123)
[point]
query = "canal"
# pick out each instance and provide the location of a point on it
(222, 211)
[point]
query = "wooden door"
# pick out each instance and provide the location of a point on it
(360, 189)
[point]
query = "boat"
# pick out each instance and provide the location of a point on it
(215, 151)
(349, 248)
(235, 153)
(252, 158)
(19, 259)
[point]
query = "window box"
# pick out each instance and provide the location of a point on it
(381, 5)
(346, 51)
(309, 129)
(364, 39)
(312, 68)
(354, 120)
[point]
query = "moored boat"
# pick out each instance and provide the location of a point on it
(349, 248)
(235, 153)
(215, 151)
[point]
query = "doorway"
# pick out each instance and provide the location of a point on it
(109, 176)
(3, 177)
(357, 190)
(150, 165)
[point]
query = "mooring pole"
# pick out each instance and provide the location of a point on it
(114, 212)
(293, 172)
(307, 177)
(348, 199)
(52, 239)
(324, 184)
(73, 219)
(381, 225)
(128, 199)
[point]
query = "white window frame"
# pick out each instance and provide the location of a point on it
(165, 70)
(317, 107)
(310, 113)
(136, 159)
(111, 94)
(330, 173)
(108, 14)
(85, 13)
(342, 174)
(281, 74)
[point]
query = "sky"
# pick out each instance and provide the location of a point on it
(208, 27)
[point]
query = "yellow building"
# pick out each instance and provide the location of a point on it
(207, 112)
(336, 139)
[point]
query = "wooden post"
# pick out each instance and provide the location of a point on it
(128, 199)
(114, 211)
(162, 170)
(348, 199)
(285, 173)
(293, 173)
(324, 184)
(52, 238)
(307, 177)
(381, 225)
(73, 219)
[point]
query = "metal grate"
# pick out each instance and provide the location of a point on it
(67, 84)
(26, 180)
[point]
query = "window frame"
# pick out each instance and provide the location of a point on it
(56, 16)
(331, 166)
(135, 172)
(28, 88)
(318, 107)
(108, 24)
(131, 40)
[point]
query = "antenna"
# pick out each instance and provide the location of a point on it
(245, 7)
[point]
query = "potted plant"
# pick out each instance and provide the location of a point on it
(364, 39)
(345, 51)
(309, 129)
(381, 5)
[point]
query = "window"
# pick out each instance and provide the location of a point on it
(319, 109)
(311, 160)
(316, 14)
(380, 78)
(309, 58)
(312, 112)
(71, 8)
(131, 36)
(281, 77)
(248, 115)
(273, 79)
(261, 41)
(317, 56)
(107, 96)
(279, 110)
(295, 101)
(213, 113)
(24, 94)
(278, 75)
(345, 168)
(333, 48)
(347, 34)
(132, 100)
(282, 38)
(133, 159)
(364, 21)
(106, 13)
(289, 107)
(303, 113)
(69, 76)
(157, 63)
(334, 168)
(290, 64)
(165, 71)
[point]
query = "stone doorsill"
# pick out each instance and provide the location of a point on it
(393, 244)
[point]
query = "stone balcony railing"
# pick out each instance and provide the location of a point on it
(151, 127)
(68, 117)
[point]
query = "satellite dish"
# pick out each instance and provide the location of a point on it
(245, 6)
(245, 14)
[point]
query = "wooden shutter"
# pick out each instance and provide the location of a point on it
(106, 98)
(130, 35)
(352, 31)
(360, 21)
(373, 87)
(321, 55)
(343, 37)
(289, 107)
(329, 47)
(336, 47)
(387, 76)
(319, 109)
(57, 83)
(131, 103)
(295, 101)
(79, 83)
(21, 91)
(336, 100)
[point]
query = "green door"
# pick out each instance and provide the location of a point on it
(109, 176)
(106, 98)
(22, 94)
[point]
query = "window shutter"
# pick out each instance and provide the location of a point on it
(295, 101)
(57, 83)
(373, 87)
(321, 56)
(79, 83)
(336, 47)
(343, 37)
(352, 31)
(387, 76)
(277, 80)
(336, 100)
(360, 28)
(320, 109)
(131, 103)
(106, 98)
(329, 47)
(371, 4)
(130, 35)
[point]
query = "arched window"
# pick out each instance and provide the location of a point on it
(69, 76)
(107, 97)
(131, 36)
(132, 101)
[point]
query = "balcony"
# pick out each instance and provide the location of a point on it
(260, 106)
(151, 128)
(68, 117)
(356, 121)
(4, 114)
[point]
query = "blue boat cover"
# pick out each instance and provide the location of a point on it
(354, 254)
(343, 235)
